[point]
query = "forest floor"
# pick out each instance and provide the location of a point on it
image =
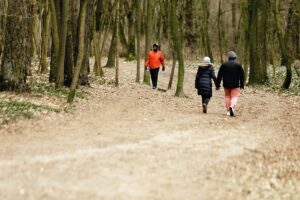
(136, 143)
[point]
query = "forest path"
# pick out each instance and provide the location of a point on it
(137, 143)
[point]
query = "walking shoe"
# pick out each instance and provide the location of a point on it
(231, 110)
(228, 113)
(153, 88)
(204, 108)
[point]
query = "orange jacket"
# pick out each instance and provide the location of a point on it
(155, 59)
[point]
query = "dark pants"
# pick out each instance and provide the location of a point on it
(205, 100)
(154, 76)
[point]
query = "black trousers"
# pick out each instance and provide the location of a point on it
(205, 99)
(154, 76)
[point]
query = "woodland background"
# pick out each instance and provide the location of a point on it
(265, 35)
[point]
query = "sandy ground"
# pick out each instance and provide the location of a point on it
(136, 143)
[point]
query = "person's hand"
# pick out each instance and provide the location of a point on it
(146, 68)
(163, 68)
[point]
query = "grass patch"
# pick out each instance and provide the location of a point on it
(57, 92)
(12, 110)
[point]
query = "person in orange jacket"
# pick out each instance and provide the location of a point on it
(154, 60)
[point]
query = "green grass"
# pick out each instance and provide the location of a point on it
(57, 92)
(13, 109)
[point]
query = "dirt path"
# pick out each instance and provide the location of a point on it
(137, 143)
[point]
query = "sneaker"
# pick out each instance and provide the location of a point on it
(204, 108)
(153, 88)
(228, 113)
(231, 110)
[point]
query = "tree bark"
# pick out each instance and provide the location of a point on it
(3, 9)
(177, 41)
(62, 45)
(138, 40)
(220, 28)
(17, 51)
(206, 36)
(285, 57)
(45, 37)
(148, 39)
(55, 41)
(81, 48)
(111, 61)
(117, 43)
(172, 70)
(85, 70)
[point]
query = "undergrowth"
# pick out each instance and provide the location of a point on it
(57, 92)
(13, 109)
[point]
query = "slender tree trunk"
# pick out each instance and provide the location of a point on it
(99, 22)
(129, 8)
(117, 43)
(148, 38)
(220, 27)
(234, 25)
(3, 9)
(45, 38)
(17, 52)
(177, 41)
(172, 70)
(103, 45)
(55, 41)
(85, 70)
(62, 45)
(285, 57)
(111, 61)
(189, 23)
(138, 40)
(81, 50)
(122, 36)
(36, 29)
(205, 29)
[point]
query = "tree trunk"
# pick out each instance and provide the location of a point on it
(117, 43)
(206, 36)
(99, 22)
(129, 8)
(148, 39)
(234, 25)
(220, 28)
(258, 23)
(285, 57)
(172, 70)
(111, 61)
(85, 70)
(17, 51)
(81, 49)
(189, 23)
(45, 38)
(55, 41)
(101, 48)
(72, 42)
(3, 9)
(62, 45)
(36, 29)
(177, 41)
(138, 40)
